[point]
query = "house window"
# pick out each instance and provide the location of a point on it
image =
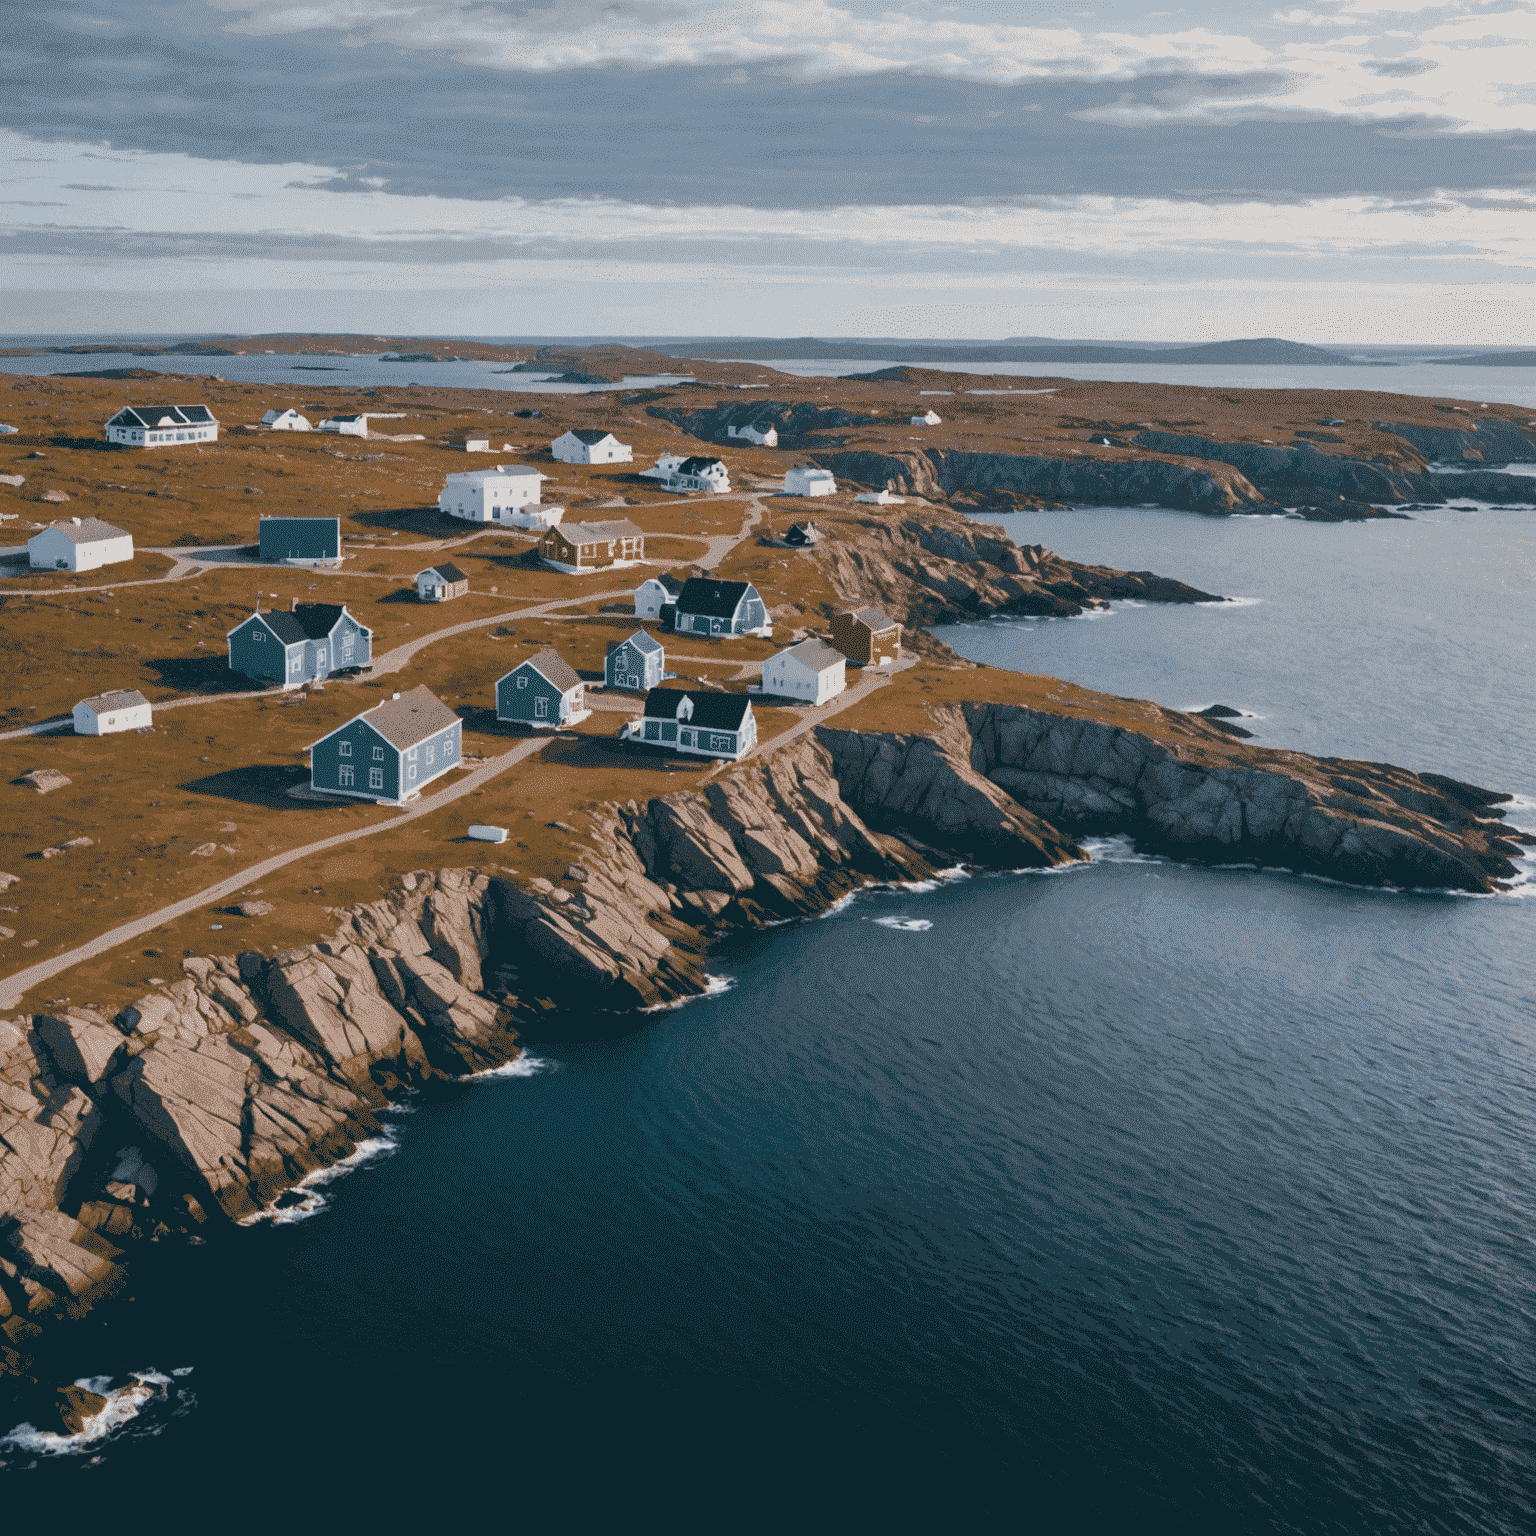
(378, 754)
(522, 682)
(295, 663)
(541, 708)
(410, 772)
(258, 637)
(344, 749)
(344, 775)
(448, 749)
(652, 730)
(346, 647)
(431, 752)
(375, 778)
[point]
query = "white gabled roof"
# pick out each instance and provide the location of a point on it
(501, 472)
(116, 698)
(85, 530)
(815, 654)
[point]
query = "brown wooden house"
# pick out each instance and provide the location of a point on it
(867, 636)
(590, 546)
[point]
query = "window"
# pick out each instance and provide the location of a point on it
(448, 749)
(375, 778)
(522, 682)
(378, 754)
(344, 749)
(541, 708)
(344, 775)
(295, 663)
(410, 772)
(652, 730)
(431, 752)
(259, 636)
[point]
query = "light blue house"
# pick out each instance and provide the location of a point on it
(545, 692)
(304, 645)
(635, 664)
(390, 752)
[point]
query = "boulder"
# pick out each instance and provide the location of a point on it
(44, 780)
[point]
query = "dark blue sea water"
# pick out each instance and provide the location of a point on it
(1135, 1197)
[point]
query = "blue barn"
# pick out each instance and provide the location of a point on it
(545, 691)
(388, 753)
(301, 540)
(304, 645)
(635, 664)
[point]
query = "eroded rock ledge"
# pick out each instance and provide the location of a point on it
(209, 1098)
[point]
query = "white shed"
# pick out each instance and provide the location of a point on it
(477, 445)
(764, 435)
(655, 593)
(122, 709)
(348, 426)
(811, 672)
(881, 498)
(582, 445)
(808, 480)
(927, 419)
(508, 494)
(286, 421)
(80, 544)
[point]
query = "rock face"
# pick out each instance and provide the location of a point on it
(798, 425)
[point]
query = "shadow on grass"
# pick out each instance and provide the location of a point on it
(204, 674)
(256, 784)
(403, 595)
(609, 752)
(429, 522)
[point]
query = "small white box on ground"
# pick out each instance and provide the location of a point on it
(488, 834)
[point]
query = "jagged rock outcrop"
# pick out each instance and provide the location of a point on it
(798, 424)
(1486, 441)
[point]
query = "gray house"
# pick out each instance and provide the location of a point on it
(635, 663)
(301, 540)
(699, 724)
(707, 606)
(388, 753)
(545, 692)
(309, 642)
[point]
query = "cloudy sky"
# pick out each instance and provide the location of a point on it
(1360, 170)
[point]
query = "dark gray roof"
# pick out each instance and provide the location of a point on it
(178, 415)
(447, 570)
(713, 711)
(309, 621)
(713, 598)
(589, 435)
(409, 719)
(554, 668)
(644, 643)
(697, 465)
(672, 584)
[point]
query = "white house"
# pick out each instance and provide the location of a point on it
(477, 445)
(286, 421)
(508, 494)
(881, 498)
(811, 672)
(348, 426)
(763, 436)
(80, 544)
(663, 467)
(582, 445)
(151, 426)
(122, 709)
(808, 480)
(655, 593)
(698, 473)
(927, 419)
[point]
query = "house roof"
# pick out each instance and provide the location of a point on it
(166, 415)
(85, 530)
(355, 416)
(598, 533)
(591, 436)
(646, 644)
(876, 618)
(670, 584)
(805, 530)
(115, 698)
(277, 415)
(816, 654)
(309, 621)
(714, 711)
(501, 472)
(698, 464)
(712, 598)
(409, 719)
(553, 668)
(447, 570)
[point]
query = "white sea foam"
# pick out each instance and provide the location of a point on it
(124, 1404)
(713, 987)
(525, 1065)
(903, 924)
(309, 1190)
(1115, 850)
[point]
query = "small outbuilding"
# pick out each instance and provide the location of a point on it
(162, 426)
(582, 445)
(655, 595)
(508, 494)
(927, 419)
(803, 536)
(635, 664)
(391, 752)
(698, 473)
(439, 583)
(664, 467)
(576, 547)
(477, 445)
(811, 673)
(764, 433)
(809, 480)
(868, 636)
(348, 426)
(121, 709)
(701, 724)
(78, 544)
(709, 606)
(286, 421)
(302, 541)
(304, 645)
(545, 691)
(881, 498)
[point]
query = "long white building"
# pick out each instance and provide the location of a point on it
(508, 494)
(159, 426)
(584, 446)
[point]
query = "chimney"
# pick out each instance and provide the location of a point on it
(394, 696)
(293, 605)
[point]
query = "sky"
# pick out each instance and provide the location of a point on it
(1353, 171)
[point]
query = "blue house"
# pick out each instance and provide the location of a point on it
(388, 753)
(304, 645)
(545, 692)
(635, 663)
(301, 540)
(707, 606)
(699, 724)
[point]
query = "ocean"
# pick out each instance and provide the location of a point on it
(1134, 1196)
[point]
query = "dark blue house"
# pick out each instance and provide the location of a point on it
(388, 753)
(708, 606)
(301, 540)
(701, 724)
(635, 664)
(304, 645)
(545, 691)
